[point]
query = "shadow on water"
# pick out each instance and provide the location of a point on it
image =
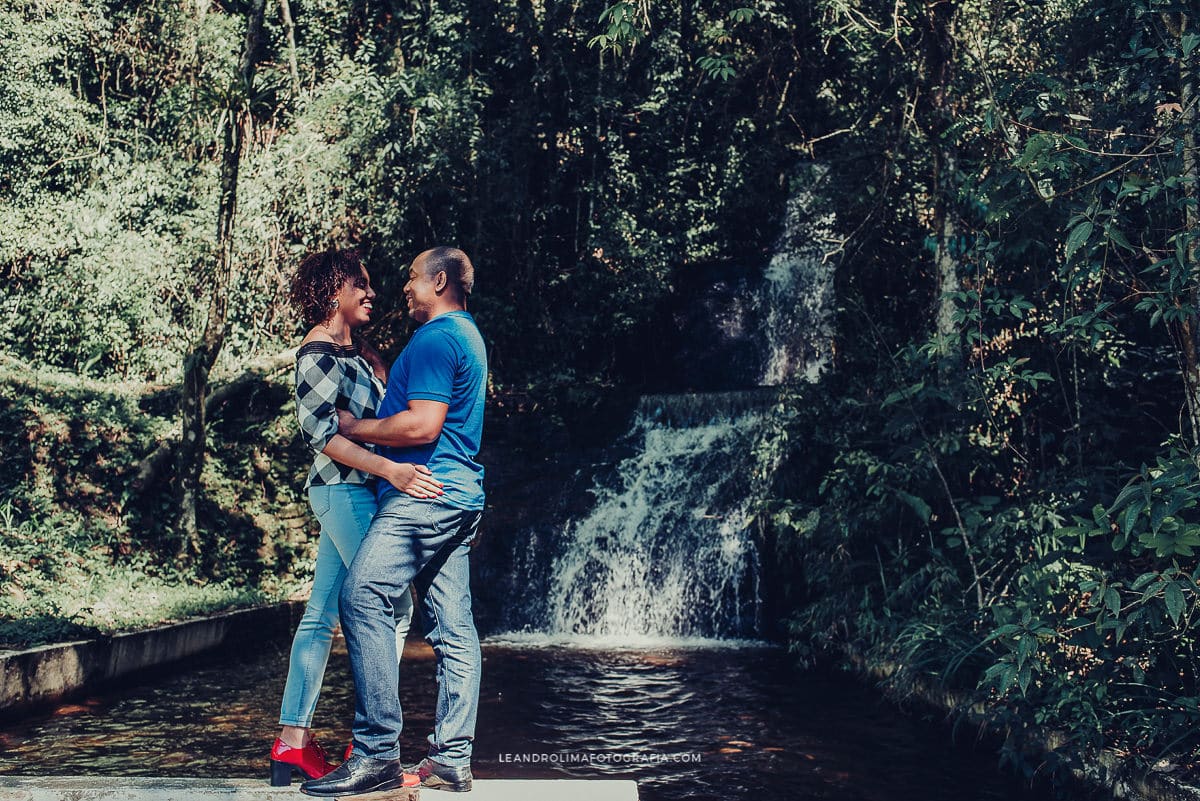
(737, 721)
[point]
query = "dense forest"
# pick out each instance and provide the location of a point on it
(993, 486)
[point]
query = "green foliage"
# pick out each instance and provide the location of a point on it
(500, 130)
(625, 25)
(579, 187)
(84, 553)
(969, 494)
(61, 583)
(38, 150)
(1008, 507)
(1150, 513)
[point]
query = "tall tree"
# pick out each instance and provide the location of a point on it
(1183, 36)
(236, 120)
(939, 19)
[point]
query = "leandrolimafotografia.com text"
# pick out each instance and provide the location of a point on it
(601, 758)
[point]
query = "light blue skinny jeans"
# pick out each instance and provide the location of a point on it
(345, 512)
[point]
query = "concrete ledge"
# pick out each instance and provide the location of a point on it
(92, 788)
(51, 673)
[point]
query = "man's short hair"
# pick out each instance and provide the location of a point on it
(455, 264)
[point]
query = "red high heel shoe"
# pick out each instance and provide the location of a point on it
(309, 761)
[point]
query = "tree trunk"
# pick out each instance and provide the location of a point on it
(940, 66)
(939, 74)
(199, 361)
(949, 341)
(151, 469)
(285, 11)
(1191, 191)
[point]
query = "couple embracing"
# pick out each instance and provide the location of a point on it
(397, 490)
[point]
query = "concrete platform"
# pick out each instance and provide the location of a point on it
(91, 788)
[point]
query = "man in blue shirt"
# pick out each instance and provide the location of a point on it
(432, 414)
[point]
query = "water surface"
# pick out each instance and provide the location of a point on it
(694, 721)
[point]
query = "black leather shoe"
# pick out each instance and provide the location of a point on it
(359, 774)
(437, 776)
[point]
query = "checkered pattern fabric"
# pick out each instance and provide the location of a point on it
(331, 377)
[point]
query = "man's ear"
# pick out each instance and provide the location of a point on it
(440, 280)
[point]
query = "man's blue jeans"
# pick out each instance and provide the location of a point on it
(410, 537)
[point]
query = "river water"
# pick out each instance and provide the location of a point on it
(686, 720)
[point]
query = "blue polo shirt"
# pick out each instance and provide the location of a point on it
(444, 361)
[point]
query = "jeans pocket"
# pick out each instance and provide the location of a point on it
(319, 500)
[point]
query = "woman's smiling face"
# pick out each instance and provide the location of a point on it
(354, 300)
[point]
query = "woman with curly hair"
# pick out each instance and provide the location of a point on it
(334, 370)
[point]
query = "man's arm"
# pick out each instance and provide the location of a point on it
(414, 479)
(420, 424)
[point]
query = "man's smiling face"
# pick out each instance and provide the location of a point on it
(420, 291)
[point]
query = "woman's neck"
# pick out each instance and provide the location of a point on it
(337, 330)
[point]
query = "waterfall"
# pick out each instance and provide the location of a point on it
(667, 550)
(669, 546)
(798, 292)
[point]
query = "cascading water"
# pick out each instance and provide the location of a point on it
(798, 293)
(668, 548)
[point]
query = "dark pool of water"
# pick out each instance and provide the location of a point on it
(695, 723)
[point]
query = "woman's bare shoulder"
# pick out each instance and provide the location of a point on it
(316, 335)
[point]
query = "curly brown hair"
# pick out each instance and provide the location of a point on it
(318, 279)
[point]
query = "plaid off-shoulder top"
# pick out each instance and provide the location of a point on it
(331, 377)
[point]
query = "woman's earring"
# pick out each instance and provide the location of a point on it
(335, 303)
